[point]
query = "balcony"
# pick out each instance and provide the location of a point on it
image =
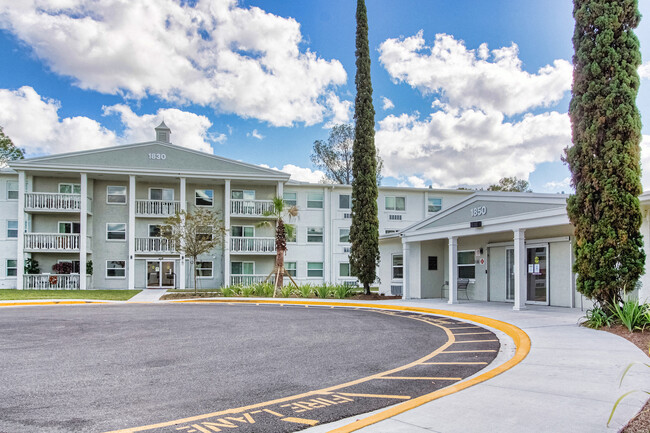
(51, 281)
(54, 242)
(250, 208)
(154, 245)
(245, 245)
(52, 202)
(156, 208)
(246, 280)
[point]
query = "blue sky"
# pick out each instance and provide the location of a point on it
(465, 92)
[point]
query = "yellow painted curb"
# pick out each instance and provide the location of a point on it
(520, 338)
(19, 304)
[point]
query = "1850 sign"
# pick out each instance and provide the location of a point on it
(478, 211)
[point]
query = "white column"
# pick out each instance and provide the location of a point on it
(226, 241)
(406, 280)
(520, 270)
(280, 189)
(131, 232)
(327, 235)
(83, 231)
(453, 270)
(181, 263)
(20, 250)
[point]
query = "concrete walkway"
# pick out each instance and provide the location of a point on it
(568, 382)
(148, 295)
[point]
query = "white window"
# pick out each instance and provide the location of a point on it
(115, 231)
(344, 270)
(116, 194)
(203, 197)
(466, 264)
(12, 229)
(434, 204)
(315, 234)
(314, 269)
(242, 268)
(398, 267)
(69, 227)
(293, 230)
(12, 190)
(163, 194)
(344, 236)
(115, 269)
(242, 231)
(315, 200)
(12, 268)
(204, 269)
(344, 201)
(395, 203)
(69, 188)
(157, 230)
(290, 267)
(204, 233)
(236, 194)
(290, 198)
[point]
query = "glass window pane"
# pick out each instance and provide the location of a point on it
(115, 268)
(248, 268)
(65, 228)
(154, 231)
(249, 195)
(435, 204)
(116, 194)
(12, 190)
(466, 257)
(236, 195)
(344, 269)
(467, 272)
(397, 260)
(290, 198)
(344, 235)
(344, 201)
(315, 200)
(236, 268)
(290, 267)
(390, 203)
(76, 189)
(116, 231)
(65, 188)
(204, 269)
(203, 197)
(155, 194)
(237, 231)
(400, 203)
(292, 237)
(168, 194)
(315, 269)
(249, 232)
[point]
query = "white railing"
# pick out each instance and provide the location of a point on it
(52, 241)
(51, 281)
(157, 208)
(154, 245)
(251, 207)
(246, 280)
(252, 245)
(52, 201)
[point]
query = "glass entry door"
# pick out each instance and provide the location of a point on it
(510, 274)
(160, 274)
(537, 274)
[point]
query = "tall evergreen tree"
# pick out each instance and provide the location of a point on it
(604, 158)
(364, 231)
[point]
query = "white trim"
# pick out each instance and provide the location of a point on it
(106, 268)
(392, 267)
(126, 192)
(117, 231)
(458, 265)
(242, 262)
(211, 269)
(322, 235)
(321, 201)
(322, 270)
(9, 182)
(17, 230)
(7, 269)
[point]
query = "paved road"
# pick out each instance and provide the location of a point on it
(95, 368)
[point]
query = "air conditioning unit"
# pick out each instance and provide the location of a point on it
(396, 290)
(395, 217)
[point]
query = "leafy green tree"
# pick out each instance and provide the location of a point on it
(511, 184)
(279, 214)
(8, 151)
(364, 231)
(604, 158)
(335, 156)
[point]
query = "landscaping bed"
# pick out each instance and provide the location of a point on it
(104, 295)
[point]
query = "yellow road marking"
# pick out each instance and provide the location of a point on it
(311, 422)
(475, 341)
(469, 351)
(420, 378)
(400, 397)
(454, 363)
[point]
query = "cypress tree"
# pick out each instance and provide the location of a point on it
(364, 231)
(604, 158)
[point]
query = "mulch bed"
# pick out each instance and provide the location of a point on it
(189, 295)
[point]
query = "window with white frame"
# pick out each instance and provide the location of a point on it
(395, 203)
(204, 233)
(115, 268)
(291, 268)
(314, 269)
(293, 230)
(204, 197)
(315, 234)
(115, 231)
(12, 267)
(158, 230)
(69, 227)
(116, 194)
(162, 194)
(344, 235)
(345, 201)
(315, 200)
(434, 204)
(204, 269)
(344, 270)
(238, 194)
(466, 264)
(69, 188)
(398, 267)
(12, 190)
(290, 198)
(242, 231)
(242, 268)
(12, 228)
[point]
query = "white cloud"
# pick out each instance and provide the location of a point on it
(300, 174)
(211, 52)
(255, 134)
(387, 103)
(644, 70)
(341, 111)
(488, 80)
(558, 186)
(413, 181)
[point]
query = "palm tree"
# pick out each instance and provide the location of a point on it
(279, 213)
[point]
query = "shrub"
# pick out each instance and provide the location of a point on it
(286, 291)
(306, 290)
(228, 292)
(62, 268)
(341, 291)
(323, 291)
(632, 314)
(597, 318)
(268, 290)
(32, 266)
(247, 291)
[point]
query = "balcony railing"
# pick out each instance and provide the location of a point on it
(154, 245)
(53, 242)
(156, 208)
(51, 281)
(250, 207)
(252, 245)
(246, 280)
(49, 201)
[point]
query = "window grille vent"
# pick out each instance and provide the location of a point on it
(396, 290)
(346, 249)
(347, 215)
(395, 217)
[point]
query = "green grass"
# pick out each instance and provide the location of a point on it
(106, 295)
(192, 290)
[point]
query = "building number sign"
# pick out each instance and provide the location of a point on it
(478, 211)
(157, 156)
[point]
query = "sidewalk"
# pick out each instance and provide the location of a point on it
(568, 382)
(148, 295)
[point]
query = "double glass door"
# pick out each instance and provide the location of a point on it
(536, 274)
(160, 274)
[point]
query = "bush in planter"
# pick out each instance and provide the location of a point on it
(62, 268)
(89, 267)
(32, 267)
